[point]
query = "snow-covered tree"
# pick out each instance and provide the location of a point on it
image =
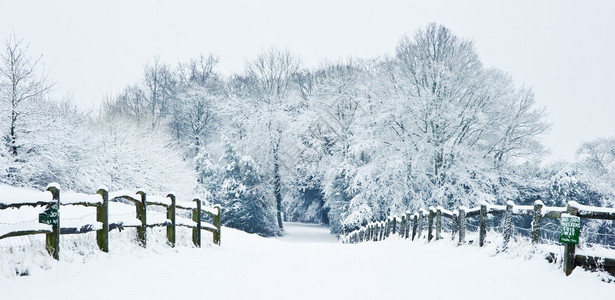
(128, 155)
(21, 84)
(246, 207)
(273, 104)
(352, 141)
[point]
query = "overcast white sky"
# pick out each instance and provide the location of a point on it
(564, 50)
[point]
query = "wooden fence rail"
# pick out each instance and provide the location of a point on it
(412, 226)
(49, 221)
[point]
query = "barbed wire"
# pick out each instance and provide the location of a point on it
(527, 231)
(20, 222)
(88, 216)
(127, 214)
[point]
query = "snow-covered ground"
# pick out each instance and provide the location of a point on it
(307, 233)
(305, 264)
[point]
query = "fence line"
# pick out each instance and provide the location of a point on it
(411, 226)
(49, 221)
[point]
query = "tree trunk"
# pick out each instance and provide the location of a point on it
(14, 118)
(277, 185)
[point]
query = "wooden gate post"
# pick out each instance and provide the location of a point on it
(52, 240)
(483, 225)
(536, 221)
(196, 217)
(142, 215)
(102, 216)
(171, 216)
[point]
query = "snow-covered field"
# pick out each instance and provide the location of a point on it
(306, 264)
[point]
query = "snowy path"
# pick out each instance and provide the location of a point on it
(307, 233)
(305, 265)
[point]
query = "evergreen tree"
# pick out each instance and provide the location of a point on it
(245, 206)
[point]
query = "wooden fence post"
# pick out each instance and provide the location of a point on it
(508, 224)
(462, 225)
(569, 249)
(383, 229)
(394, 224)
(52, 240)
(415, 221)
(438, 222)
(483, 225)
(430, 218)
(218, 225)
(374, 232)
(102, 216)
(196, 217)
(407, 228)
(420, 223)
(402, 226)
(536, 221)
(455, 224)
(171, 216)
(142, 215)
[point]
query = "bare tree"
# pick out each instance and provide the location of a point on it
(21, 82)
(129, 102)
(159, 90)
(599, 156)
(273, 71)
(198, 71)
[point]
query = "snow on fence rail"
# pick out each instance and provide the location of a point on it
(49, 221)
(410, 226)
